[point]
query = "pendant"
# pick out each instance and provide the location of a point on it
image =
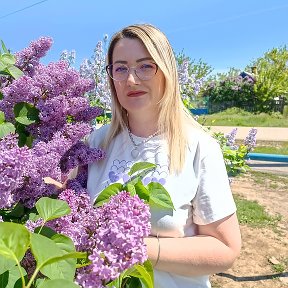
(135, 152)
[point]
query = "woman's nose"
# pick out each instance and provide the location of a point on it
(132, 78)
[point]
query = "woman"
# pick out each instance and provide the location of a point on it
(150, 124)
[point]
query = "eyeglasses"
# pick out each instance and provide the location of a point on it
(120, 72)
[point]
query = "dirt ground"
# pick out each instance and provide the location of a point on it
(261, 246)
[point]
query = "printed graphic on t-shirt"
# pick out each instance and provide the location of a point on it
(120, 168)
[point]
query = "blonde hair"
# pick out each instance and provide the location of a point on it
(173, 114)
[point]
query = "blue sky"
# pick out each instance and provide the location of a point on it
(223, 33)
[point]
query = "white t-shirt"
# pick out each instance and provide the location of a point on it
(200, 193)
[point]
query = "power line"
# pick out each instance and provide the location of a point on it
(4, 16)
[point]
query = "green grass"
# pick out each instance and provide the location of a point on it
(278, 268)
(273, 179)
(253, 214)
(239, 117)
(271, 147)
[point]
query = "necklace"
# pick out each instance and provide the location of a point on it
(135, 152)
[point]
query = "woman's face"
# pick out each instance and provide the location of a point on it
(134, 94)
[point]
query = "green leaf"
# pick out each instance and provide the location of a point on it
(5, 264)
(26, 113)
(22, 134)
(2, 117)
(159, 196)
(2, 67)
(7, 59)
(12, 278)
(50, 209)
(49, 258)
(149, 268)
(15, 72)
(13, 214)
(58, 283)
(45, 231)
(130, 188)
(14, 241)
(141, 166)
(6, 128)
(142, 191)
(5, 50)
(140, 272)
(105, 195)
(133, 282)
(66, 245)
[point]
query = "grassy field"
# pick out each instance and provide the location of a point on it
(253, 214)
(238, 117)
(271, 147)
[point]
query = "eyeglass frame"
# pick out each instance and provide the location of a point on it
(129, 71)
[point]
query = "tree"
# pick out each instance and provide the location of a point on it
(191, 78)
(272, 78)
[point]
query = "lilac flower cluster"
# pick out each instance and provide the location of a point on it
(57, 92)
(250, 140)
(188, 82)
(80, 154)
(94, 68)
(113, 234)
(231, 137)
(13, 169)
(27, 60)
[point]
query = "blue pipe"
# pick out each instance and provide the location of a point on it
(268, 157)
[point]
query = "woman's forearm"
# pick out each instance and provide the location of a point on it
(191, 256)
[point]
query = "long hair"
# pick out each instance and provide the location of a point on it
(173, 115)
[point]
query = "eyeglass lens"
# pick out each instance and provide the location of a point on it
(143, 71)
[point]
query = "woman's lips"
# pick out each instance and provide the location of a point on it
(135, 93)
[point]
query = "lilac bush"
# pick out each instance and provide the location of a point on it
(94, 69)
(57, 93)
(235, 156)
(190, 85)
(51, 114)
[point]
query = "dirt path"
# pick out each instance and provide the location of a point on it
(261, 246)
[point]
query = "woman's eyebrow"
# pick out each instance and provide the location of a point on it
(138, 60)
(144, 59)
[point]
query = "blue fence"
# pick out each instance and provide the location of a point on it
(268, 157)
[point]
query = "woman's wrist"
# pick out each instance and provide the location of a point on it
(153, 249)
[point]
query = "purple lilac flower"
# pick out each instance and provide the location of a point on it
(27, 60)
(250, 140)
(80, 154)
(113, 234)
(231, 138)
(79, 183)
(14, 163)
(94, 69)
(31, 225)
(29, 263)
(187, 80)
(89, 114)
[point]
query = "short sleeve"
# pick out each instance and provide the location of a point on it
(213, 200)
(97, 136)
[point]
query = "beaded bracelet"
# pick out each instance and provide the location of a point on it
(158, 254)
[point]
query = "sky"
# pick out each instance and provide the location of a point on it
(223, 33)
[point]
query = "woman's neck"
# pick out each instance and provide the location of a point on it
(142, 126)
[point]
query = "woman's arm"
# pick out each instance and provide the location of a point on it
(213, 250)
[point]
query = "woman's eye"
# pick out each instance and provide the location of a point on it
(146, 66)
(121, 69)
